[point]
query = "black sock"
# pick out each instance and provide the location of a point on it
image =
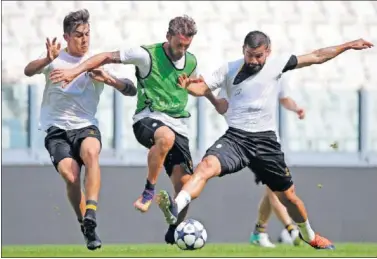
(80, 221)
(91, 208)
(149, 186)
(172, 227)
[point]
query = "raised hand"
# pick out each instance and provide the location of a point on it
(52, 48)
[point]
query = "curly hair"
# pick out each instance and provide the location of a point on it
(183, 25)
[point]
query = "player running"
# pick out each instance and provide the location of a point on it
(251, 139)
(161, 118)
(68, 116)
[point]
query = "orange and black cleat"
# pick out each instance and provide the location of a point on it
(319, 242)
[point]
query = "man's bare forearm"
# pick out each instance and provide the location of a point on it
(289, 104)
(210, 96)
(34, 66)
(326, 54)
(97, 61)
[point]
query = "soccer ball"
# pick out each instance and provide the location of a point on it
(190, 235)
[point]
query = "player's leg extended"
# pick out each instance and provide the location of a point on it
(225, 156)
(178, 178)
(208, 168)
(259, 235)
(297, 211)
(282, 214)
(90, 149)
(270, 167)
(164, 139)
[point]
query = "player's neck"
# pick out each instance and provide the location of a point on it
(168, 53)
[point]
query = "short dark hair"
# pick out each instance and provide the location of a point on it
(75, 19)
(255, 39)
(183, 25)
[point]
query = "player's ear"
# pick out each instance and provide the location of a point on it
(66, 36)
(168, 36)
(268, 51)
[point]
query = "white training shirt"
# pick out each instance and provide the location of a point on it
(140, 58)
(73, 107)
(252, 103)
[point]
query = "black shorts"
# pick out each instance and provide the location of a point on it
(61, 143)
(259, 151)
(179, 154)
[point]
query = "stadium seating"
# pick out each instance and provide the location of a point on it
(328, 92)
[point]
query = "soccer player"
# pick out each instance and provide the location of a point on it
(68, 116)
(161, 118)
(270, 202)
(251, 139)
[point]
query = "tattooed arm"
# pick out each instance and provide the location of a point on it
(325, 54)
(67, 75)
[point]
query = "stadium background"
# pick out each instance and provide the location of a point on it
(340, 98)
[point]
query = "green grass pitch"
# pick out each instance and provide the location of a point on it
(210, 250)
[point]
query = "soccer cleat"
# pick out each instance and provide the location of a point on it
(144, 201)
(91, 238)
(261, 239)
(169, 236)
(319, 242)
(296, 240)
(168, 207)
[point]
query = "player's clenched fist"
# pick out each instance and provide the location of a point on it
(53, 49)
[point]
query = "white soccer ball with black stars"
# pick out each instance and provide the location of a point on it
(190, 235)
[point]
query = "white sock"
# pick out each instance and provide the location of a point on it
(306, 231)
(182, 200)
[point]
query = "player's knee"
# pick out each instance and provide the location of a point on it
(289, 196)
(208, 168)
(90, 155)
(164, 138)
(70, 177)
(70, 171)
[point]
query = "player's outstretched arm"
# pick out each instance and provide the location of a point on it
(124, 85)
(198, 87)
(290, 104)
(325, 54)
(37, 65)
(67, 75)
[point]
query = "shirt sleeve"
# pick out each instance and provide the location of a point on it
(291, 64)
(137, 56)
(217, 79)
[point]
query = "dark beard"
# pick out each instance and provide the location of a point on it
(251, 70)
(171, 53)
